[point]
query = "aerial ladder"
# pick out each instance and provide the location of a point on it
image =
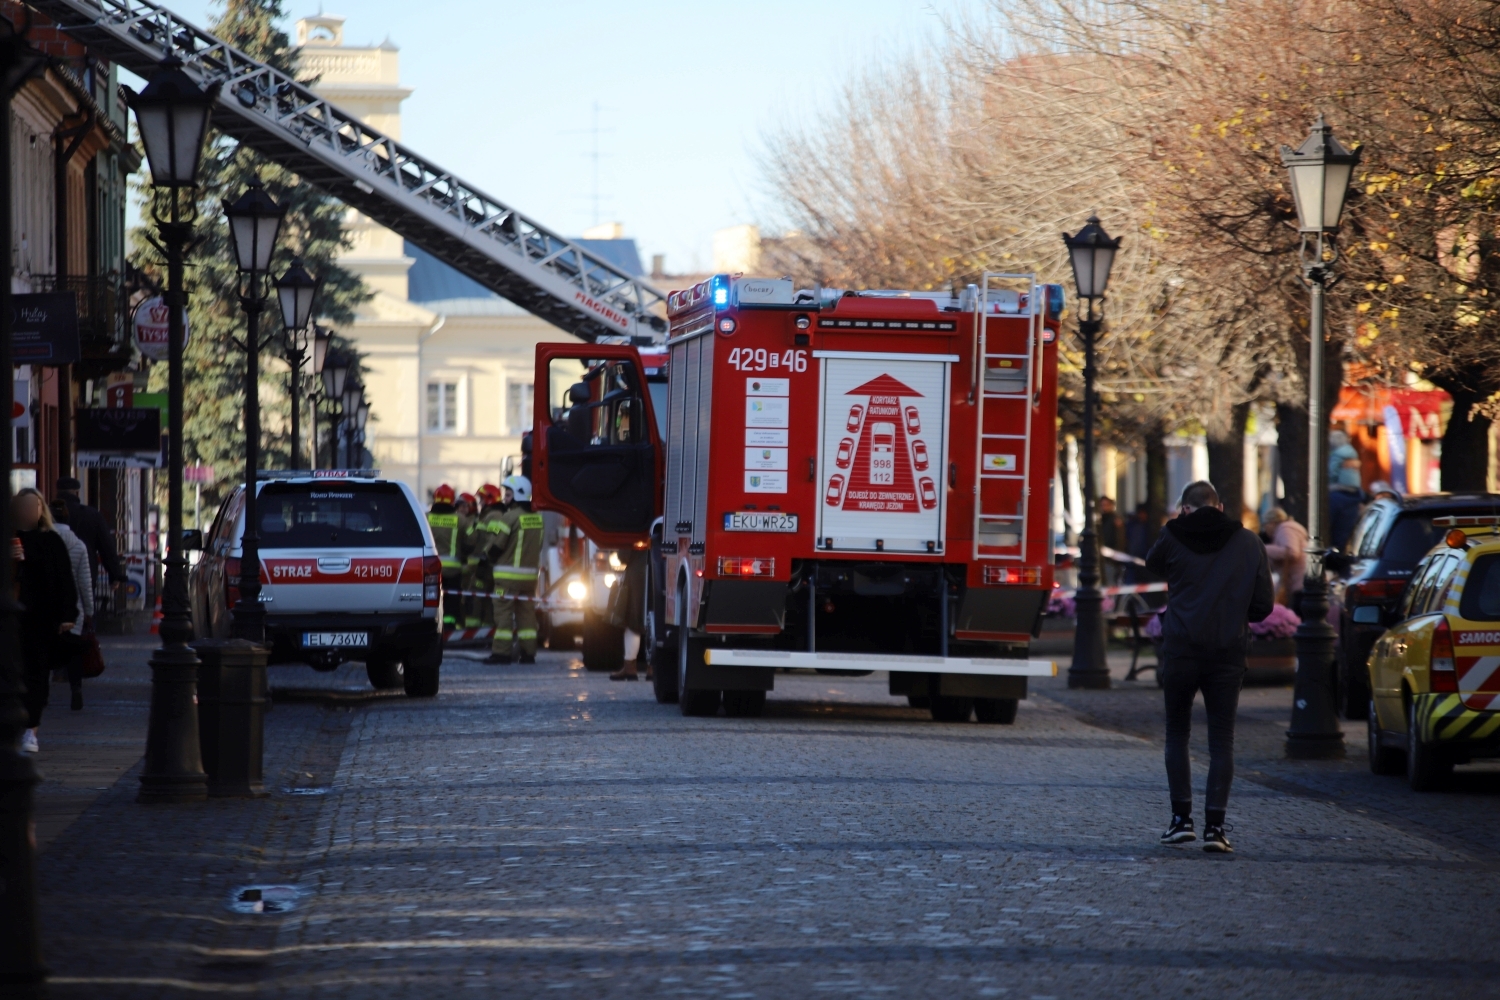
(481, 236)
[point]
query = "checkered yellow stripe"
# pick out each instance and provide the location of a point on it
(1443, 718)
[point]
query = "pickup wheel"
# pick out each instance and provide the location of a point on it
(603, 645)
(744, 704)
(385, 673)
(996, 710)
(422, 668)
(1383, 759)
(918, 701)
(950, 708)
(1427, 764)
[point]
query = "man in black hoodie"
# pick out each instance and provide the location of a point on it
(1218, 581)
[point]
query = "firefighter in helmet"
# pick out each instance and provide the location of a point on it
(448, 536)
(468, 517)
(481, 609)
(516, 552)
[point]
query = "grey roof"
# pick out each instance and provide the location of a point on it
(431, 281)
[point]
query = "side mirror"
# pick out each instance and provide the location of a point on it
(1368, 614)
(192, 539)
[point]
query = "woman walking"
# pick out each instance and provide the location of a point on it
(78, 553)
(49, 596)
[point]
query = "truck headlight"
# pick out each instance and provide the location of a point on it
(577, 590)
(615, 563)
(609, 579)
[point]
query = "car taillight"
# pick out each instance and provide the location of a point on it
(1374, 590)
(1030, 576)
(231, 582)
(432, 581)
(1440, 666)
(745, 566)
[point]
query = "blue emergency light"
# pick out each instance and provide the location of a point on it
(720, 286)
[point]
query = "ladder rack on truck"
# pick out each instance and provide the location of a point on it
(845, 482)
(270, 111)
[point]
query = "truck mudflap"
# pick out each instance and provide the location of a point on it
(986, 666)
(985, 612)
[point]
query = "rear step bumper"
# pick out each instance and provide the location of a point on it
(878, 661)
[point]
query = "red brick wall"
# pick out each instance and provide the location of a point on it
(44, 34)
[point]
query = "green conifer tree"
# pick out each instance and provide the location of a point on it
(214, 363)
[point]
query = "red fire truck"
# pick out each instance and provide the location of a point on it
(847, 481)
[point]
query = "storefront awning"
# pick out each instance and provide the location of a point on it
(1423, 413)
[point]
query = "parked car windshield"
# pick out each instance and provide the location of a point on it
(336, 515)
(1411, 537)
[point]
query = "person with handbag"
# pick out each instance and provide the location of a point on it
(49, 596)
(80, 640)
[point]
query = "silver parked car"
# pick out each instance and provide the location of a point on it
(348, 572)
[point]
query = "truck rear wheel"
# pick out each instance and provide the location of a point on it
(420, 674)
(385, 673)
(744, 704)
(996, 710)
(661, 647)
(950, 708)
(690, 653)
(603, 645)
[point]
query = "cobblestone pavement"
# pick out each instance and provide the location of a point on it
(541, 831)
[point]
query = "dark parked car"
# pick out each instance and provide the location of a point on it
(1390, 539)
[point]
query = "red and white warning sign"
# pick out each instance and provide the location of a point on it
(884, 446)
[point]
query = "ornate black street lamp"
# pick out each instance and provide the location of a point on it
(20, 943)
(321, 337)
(1092, 252)
(295, 291)
(254, 221)
(361, 417)
(335, 374)
(172, 115)
(1320, 170)
(354, 394)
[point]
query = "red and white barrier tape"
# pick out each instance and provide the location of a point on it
(1128, 588)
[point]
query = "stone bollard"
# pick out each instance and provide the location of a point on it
(231, 716)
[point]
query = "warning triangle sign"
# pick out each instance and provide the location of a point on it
(883, 385)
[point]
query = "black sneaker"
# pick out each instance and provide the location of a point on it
(494, 658)
(1180, 832)
(1214, 841)
(528, 658)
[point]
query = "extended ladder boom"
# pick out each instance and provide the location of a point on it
(274, 114)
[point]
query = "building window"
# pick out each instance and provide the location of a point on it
(442, 407)
(518, 407)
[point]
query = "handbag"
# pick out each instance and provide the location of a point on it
(93, 658)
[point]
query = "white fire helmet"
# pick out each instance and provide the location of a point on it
(520, 486)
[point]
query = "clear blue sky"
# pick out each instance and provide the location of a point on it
(687, 89)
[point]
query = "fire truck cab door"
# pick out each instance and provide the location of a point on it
(596, 454)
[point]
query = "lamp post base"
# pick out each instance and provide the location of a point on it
(174, 765)
(1314, 746)
(1090, 667)
(1315, 732)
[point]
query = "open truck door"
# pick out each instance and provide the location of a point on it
(596, 451)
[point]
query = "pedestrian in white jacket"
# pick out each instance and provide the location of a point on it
(78, 556)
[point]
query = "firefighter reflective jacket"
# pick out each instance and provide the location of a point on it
(519, 552)
(486, 536)
(447, 535)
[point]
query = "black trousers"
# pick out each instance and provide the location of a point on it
(1182, 678)
(39, 656)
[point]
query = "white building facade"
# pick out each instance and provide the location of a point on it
(449, 364)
